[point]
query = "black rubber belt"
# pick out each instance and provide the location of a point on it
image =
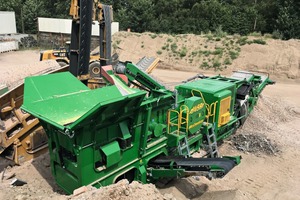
(107, 18)
(192, 164)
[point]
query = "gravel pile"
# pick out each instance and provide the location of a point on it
(257, 144)
(28, 42)
(15, 75)
(268, 113)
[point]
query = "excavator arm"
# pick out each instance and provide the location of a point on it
(83, 13)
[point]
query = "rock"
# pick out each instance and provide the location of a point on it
(126, 192)
(197, 178)
(168, 196)
(20, 197)
(17, 182)
(80, 190)
(254, 143)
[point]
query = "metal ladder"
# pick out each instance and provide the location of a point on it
(212, 143)
(182, 146)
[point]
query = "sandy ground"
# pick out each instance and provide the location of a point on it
(259, 176)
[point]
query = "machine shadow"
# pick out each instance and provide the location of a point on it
(42, 165)
(188, 188)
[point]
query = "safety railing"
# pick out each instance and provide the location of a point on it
(170, 123)
(181, 120)
(184, 120)
(210, 108)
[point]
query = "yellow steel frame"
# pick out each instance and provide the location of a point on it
(209, 107)
(184, 120)
(171, 123)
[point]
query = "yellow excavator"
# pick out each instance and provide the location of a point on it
(21, 135)
(62, 55)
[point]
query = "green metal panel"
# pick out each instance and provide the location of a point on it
(70, 102)
(173, 139)
(168, 173)
(112, 153)
(125, 131)
(40, 88)
(157, 129)
(196, 114)
(65, 180)
(207, 85)
(223, 94)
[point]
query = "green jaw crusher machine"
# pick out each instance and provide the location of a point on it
(98, 137)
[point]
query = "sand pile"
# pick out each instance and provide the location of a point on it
(41, 185)
(181, 52)
(279, 58)
(124, 191)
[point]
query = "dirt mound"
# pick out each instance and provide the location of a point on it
(124, 191)
(200, 53)
(279, 58)
(254, 143)
(41, 185)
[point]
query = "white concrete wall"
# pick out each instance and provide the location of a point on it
(7, 22)
(8, 46)
(52, 25)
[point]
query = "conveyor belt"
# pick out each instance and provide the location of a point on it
(147, 64)
(220, 165)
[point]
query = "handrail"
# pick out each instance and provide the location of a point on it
(199, 93)
(214, 110)
(207, 106)
(171, 123)
(182, 109)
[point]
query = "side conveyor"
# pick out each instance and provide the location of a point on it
(213, 167)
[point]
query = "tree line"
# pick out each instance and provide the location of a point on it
(278, 17)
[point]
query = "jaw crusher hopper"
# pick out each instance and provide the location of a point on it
(100, 136)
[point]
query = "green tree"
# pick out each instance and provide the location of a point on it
(201, 12)
(176, 16)
(136, 15)
(32, 9)
(288, 23)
